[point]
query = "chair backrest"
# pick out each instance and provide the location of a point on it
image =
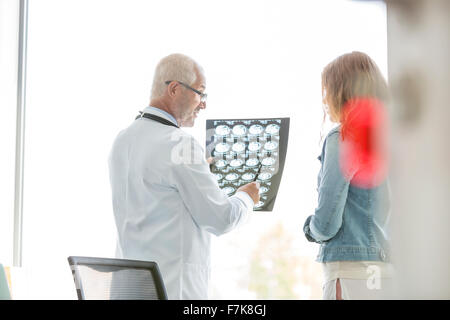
(116, 279)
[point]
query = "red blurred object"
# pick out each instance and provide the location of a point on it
(363, 155)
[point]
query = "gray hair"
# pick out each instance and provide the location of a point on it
(176, 66)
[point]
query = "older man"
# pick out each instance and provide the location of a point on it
(166, 202)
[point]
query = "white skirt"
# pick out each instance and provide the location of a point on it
(359, 289)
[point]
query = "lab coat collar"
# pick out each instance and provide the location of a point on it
(159, 112)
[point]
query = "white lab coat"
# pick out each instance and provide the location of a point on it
(167, 203)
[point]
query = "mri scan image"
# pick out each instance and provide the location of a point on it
(248, 150)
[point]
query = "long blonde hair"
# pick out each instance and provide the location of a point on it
(349, 76)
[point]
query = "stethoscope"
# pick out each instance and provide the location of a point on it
(156, 118)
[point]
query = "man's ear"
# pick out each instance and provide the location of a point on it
(172, 88)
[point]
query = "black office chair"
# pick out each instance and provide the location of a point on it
(116, 279)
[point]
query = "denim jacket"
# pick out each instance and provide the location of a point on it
(349, 222)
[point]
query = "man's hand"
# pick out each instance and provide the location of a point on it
(252, 189)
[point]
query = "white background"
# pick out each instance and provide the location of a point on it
(9, 30)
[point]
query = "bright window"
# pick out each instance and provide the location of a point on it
(9, 34)
(90, 67)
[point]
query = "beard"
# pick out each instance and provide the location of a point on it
(187, 122)
(188, 118)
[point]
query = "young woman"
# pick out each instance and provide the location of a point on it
(353, 207)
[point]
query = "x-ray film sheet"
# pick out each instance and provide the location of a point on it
(246, 150)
